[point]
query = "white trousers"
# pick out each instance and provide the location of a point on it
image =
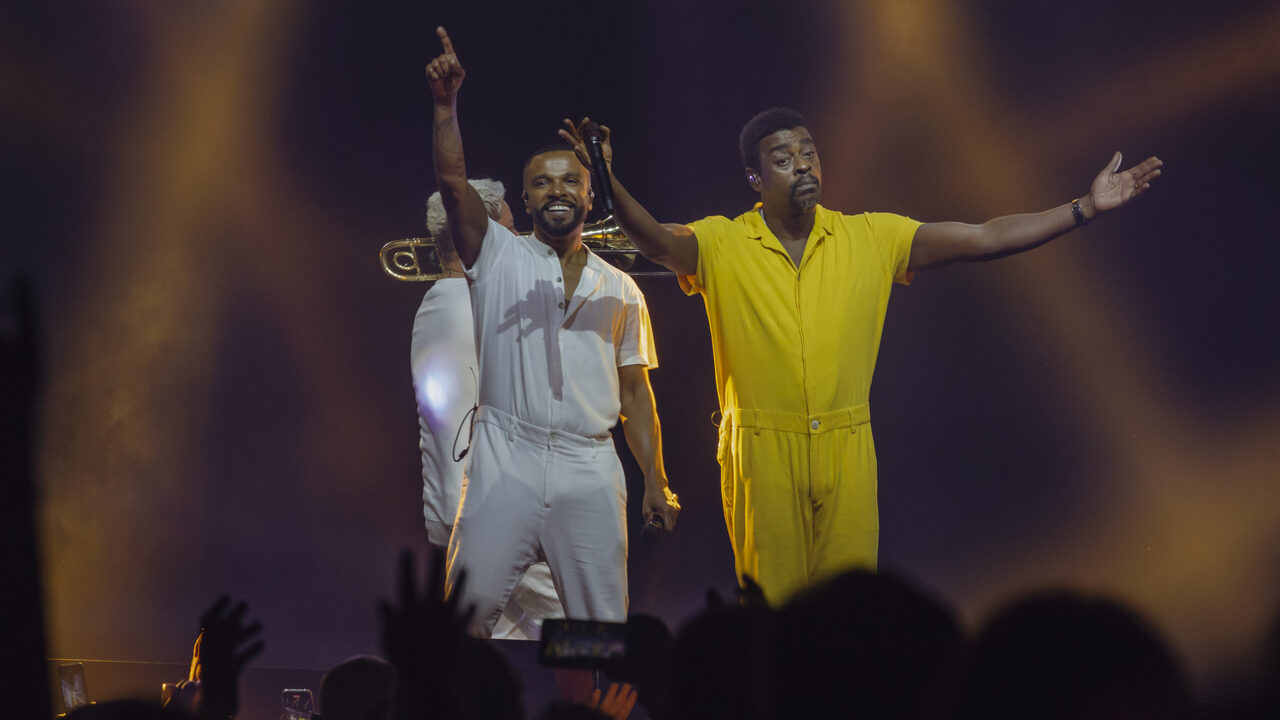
(443, 357)
(533, 601)
(531, 494)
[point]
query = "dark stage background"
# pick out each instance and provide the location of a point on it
(199, 191)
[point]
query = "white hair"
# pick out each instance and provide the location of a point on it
(491, 194)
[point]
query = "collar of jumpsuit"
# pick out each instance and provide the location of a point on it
(824, 225)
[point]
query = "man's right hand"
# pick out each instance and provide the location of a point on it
(576, 137)
(445, 73)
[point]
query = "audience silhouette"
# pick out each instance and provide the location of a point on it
(1063, 655)
(864, 645)
(358, 688)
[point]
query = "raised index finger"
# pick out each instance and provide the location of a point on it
(444, 40)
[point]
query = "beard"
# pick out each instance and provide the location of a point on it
(808, 201)
(560, 228)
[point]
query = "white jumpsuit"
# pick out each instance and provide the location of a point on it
(542, 479)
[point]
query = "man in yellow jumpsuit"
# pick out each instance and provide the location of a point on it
(795, 297)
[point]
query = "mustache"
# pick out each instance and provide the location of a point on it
(804, 182)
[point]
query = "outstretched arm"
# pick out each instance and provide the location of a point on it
(468, 220)
(673, 246)
(938, 244)
(644, 437)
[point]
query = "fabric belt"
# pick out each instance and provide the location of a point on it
(513, 425)
(847, 419)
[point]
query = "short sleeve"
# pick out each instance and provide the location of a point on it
(636, 344)
(497, 240)
(893, 235)
(708, 231)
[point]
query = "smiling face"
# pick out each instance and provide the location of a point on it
(789, 175)
(557, 193)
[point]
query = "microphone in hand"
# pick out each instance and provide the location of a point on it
(599, 170)
(654, 530)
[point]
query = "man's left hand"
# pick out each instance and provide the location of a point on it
(661, 502)
(1111, 189)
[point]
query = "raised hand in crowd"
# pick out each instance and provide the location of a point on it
(750, 593)
(421, 636)
(225, 645)
(617, 702)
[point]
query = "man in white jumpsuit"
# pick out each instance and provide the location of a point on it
(443, 356)
(564, 346)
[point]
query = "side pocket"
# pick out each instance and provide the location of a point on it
(728, 469)
(726, 438)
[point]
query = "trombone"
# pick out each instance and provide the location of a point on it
(416, 259)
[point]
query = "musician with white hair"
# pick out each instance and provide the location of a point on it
(443, 356)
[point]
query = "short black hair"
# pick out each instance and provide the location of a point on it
(548, 148)
(762, 126)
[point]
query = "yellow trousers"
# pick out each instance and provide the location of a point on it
(799, 495)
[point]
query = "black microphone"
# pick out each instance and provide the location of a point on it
(654, 530)
(599, 170)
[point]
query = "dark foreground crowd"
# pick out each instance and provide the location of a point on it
(864, 645)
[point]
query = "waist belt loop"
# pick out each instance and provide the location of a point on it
(853, 423)
(757, 423)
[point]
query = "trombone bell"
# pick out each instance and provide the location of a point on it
(606, 239)
(401, 261)
(606, 235)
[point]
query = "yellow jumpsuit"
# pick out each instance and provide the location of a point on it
(794, 352)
